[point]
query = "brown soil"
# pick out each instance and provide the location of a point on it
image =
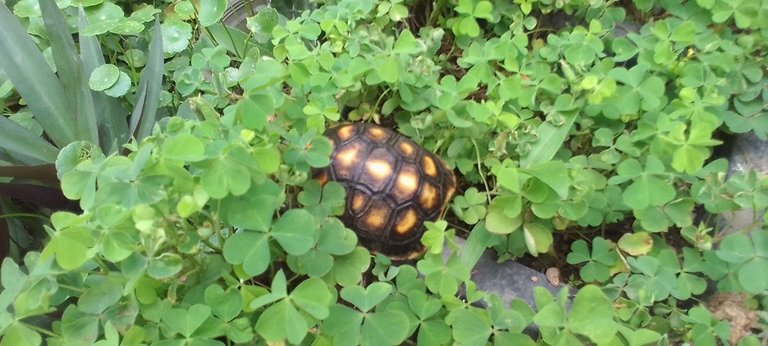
(730, 307)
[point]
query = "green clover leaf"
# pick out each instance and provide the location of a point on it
(598, 262)
(211, 11)
(249, 248)
(647, 189)
(592, 308)
(636, 244)
(366, 298)
(186, 321)
(224, 304)
(295, 231)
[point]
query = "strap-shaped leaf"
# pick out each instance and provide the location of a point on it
(474, 247)
(70, 71)
(144, 113)
(22, 61)
(112, 116)
(23, 145)
(551, 138)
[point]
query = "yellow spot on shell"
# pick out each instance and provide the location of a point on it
(406, 222)
(376, 218)
(450, 185)
(348, 156)
(358, 202)
(345, 132)
(406, 185)
(407, 182)
(429, 167)
(449, 194)
(378, 169)
(377, 133)
(428, 196)
(406, 148)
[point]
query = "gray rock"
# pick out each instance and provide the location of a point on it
(509, 280)
(748, 153)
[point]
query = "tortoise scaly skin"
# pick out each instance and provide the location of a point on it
(393, 186)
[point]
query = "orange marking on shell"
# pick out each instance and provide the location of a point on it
(375, 218)
(449, 194)
(406, 185)
(406, 148)
(348, 156)
(428, 196)
(406, 222)
(377, 133)
(345, 132)
(379, 169)
(358, 202)
(408, 181)
(429, 167)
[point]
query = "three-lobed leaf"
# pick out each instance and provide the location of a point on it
(19, 334)
(592, 315)
(471, 326)
(295, 231)
(281, 322)
(312, 296)
(249, 249)
(72, 247)
(224, 304)
(384, 328)
(366, 298)
(186, 321)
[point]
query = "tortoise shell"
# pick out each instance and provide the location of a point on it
(393, 186)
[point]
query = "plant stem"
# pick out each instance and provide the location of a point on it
(208, 32)
(480, 170)
(101, 264)
(376, 106)
(40, 330)
(435, 11)
(220, 236)
(71, 288)
(212, 246)
(240, 55)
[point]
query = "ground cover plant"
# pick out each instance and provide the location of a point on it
(586, 136)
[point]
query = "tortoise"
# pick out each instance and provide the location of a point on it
(393, 185)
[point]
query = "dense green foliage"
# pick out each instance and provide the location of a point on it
(577, 139)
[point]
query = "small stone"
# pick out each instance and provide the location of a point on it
(553, 276)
